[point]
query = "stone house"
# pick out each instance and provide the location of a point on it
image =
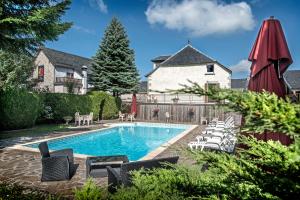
(169, 72)
(58, 72)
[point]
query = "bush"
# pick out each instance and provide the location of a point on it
(15, 192)
(104, 106)
(67, 104)
(19, 108)
(90, 191)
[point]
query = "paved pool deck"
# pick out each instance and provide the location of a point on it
(24, 167)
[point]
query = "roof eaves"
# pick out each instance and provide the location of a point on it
(225, 68)
(151, 72)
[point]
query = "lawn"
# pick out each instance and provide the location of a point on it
(35, 131)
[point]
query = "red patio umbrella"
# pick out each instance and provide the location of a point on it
(270, 57)
(133, 104)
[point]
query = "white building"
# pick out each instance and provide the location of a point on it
(169, 72)
(55, 71)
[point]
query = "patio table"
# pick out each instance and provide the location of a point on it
(96, 166)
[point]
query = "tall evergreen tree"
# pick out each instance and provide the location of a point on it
(113, 67)
(25, 25)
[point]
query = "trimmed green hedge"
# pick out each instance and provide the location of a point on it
(67, 104)
(18, 109)
(104, 106)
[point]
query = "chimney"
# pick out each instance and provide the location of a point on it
(84, 80)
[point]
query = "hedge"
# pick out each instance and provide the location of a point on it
(104, 106)
(18, 109)
(67, 104)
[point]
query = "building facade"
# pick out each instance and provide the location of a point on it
(188, 64)
(292, 81)
(61, 72)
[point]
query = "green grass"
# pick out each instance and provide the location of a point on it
(35, 131)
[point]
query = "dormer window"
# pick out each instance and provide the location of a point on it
(210, 68)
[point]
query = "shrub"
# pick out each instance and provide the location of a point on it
(19, 108)
(104, 106)
(90, 191)
(67, 104)
(15, 192)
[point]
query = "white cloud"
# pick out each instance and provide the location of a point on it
(201, 17)
(99, 4)
(241, 66)
(84, 30)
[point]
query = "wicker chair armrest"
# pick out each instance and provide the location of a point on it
(67, 152)
(55, 168)
(114, 179)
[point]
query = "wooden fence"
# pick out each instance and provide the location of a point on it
(191, 113)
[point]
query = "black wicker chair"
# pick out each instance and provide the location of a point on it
(57, 165)
(123, 177)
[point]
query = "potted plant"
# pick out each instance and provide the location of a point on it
(175, 100)
(191, 113)
(67, 119)
(155, 112)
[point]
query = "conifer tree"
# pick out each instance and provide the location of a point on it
(113, 67)
(26, 25)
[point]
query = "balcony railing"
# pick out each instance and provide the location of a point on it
(68, 79)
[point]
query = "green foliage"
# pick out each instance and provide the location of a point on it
(113, 67)
(261, 111)
(90, 191)
(267, 170)
(26, 25)
(15, 69)
(67, 104)
(104, 106)
(19, 108)
(16, 192)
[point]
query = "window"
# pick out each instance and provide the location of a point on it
(210, 68)
(70, 75)
(41, 73)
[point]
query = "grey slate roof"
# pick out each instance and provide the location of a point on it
(63, 59)
(239, 83)
(143, 87)
(160, 58)
(187, 56)
(292, 79)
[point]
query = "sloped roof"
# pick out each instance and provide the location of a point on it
(160, 58)
(292, 79)
(59, 58)
(239, 83)
(187, 56)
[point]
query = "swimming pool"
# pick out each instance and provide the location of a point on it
(134, 140)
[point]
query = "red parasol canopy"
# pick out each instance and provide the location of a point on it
(133, 104)
(270, 58)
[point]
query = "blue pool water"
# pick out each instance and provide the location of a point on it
(135, 141)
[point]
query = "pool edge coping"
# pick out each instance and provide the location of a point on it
(148, 156)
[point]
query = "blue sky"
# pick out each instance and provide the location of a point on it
(224, 30)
